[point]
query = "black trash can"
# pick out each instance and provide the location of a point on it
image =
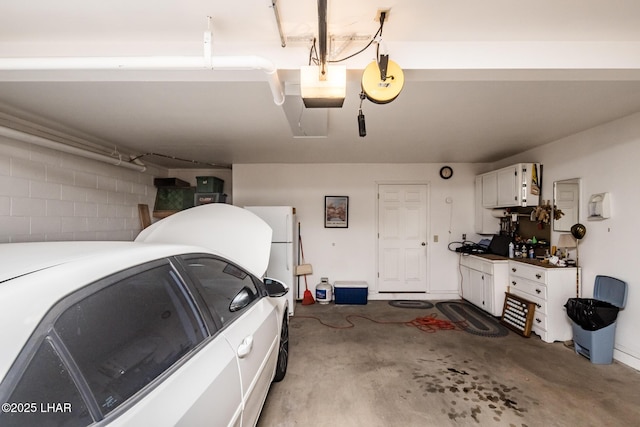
(591, 314)
(594, 319)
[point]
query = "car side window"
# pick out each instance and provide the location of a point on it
(126, 334)
(225, 288)
(45, 395)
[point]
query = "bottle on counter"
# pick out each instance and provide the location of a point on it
(531, 253)
(511, 249)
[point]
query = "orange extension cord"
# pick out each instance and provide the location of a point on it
(426, 323)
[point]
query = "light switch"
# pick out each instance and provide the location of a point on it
(435, 238)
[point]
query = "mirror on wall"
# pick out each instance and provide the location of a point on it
(566, 197)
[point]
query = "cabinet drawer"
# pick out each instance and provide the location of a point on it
(528, 272)
(539, 322)
(477, 264)
(541, 304)
(528, 287)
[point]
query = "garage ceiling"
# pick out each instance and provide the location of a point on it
(484, 79)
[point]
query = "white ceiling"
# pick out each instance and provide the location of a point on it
(484, 79)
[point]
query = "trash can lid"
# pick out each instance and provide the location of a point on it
(611, 290)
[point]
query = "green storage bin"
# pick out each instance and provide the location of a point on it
(209, 184)
(206, 198)
(174, 198)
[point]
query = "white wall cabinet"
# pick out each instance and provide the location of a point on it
(549, 288)
(489, 189)
(484, 281)
(485, 222)
(507, 183)
(517, 185)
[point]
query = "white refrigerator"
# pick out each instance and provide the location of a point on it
(284, 246)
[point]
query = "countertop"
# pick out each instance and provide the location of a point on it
(492, 257)
(529, 261)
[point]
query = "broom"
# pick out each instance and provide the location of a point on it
(307, 298)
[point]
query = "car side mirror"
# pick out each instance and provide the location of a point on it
(275, 288)
(241, 300)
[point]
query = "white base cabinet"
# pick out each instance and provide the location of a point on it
(549, 288)
(484, 282)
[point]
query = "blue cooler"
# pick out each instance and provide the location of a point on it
(594, 320)
(350, 292)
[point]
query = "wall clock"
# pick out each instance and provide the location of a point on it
(446, 172)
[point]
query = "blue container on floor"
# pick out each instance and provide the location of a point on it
(597, 345)
(350, 292)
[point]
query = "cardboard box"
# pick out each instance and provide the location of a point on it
(170, 182)
(350, 292)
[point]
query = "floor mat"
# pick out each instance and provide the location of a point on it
(410, 304)
(471, 319)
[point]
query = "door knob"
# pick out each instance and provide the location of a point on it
(424, 244)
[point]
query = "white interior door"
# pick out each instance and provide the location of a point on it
(402, 238)
(567, 197)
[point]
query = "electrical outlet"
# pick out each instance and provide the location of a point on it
(464, 236)
(379, 15)
(435, 238)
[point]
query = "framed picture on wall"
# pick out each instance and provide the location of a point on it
(336, 211)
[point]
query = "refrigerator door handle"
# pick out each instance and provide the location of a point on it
(289, 227)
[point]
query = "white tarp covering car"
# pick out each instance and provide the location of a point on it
(176, 328)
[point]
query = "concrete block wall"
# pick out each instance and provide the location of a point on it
(47, 195)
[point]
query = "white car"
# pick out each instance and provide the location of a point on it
(176, 328)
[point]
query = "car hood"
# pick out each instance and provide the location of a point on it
(228, 230)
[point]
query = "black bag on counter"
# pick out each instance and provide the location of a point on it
(499, 245)
(591, 314)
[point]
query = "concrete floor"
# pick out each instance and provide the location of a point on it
(396, 375)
